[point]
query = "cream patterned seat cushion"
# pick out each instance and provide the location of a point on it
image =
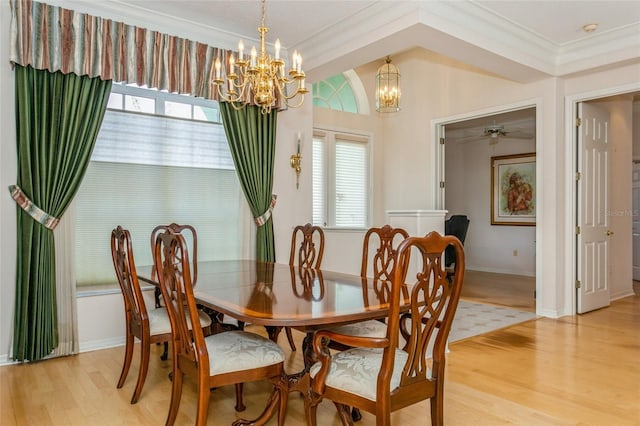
(159, 321)
(369, 328)
(356, 370)
(239, 350)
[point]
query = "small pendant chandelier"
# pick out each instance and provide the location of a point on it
(388, 88)
(259, 78)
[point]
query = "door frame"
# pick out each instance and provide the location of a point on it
(571, 159)
(438, 173)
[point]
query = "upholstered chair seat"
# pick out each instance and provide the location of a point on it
(356, 371)
(239, 350)
(159, 322)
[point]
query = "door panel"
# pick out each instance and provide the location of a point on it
(635, 220)
(593, 204)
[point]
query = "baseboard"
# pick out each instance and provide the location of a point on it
(499, 271)
(94, 345)
(622, 295)
(5, 360)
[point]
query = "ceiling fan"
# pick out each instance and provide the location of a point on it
(494, 132)
(513, 127)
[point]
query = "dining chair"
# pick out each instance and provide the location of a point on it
(456, 225)
(307, 248)
(149, 326)
(378, 376)
(228, 357)
(383, 242)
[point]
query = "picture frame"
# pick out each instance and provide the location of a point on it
(513, 190)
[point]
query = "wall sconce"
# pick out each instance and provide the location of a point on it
(295, 162)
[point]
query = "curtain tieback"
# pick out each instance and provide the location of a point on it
(31, 209)
(264, 217)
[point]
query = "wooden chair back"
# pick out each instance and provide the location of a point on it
(425, 328)
(180, 229)
(125, 269)
(309, 253)
(137, 317)
(385, 240)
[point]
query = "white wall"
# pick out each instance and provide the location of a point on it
(468, 191)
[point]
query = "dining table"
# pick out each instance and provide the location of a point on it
(279, 295)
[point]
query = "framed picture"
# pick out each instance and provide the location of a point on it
(513, 190)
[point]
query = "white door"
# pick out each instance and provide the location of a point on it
(592, 236)
(635, 220)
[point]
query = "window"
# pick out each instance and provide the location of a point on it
(341, 170)
(342, 92)
(159, 158)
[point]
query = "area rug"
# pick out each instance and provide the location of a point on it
(472, 319)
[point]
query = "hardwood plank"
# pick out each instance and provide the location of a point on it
(514, 291)
(569, 371)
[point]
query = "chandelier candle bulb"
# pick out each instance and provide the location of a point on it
(231, 64)
(277, 46)
(217, 65)
(254, 54)
(240, 51)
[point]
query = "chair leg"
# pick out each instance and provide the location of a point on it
(204, 393)
(311, 411)
(283, 388)
(290, 338)
(145, 349)
(128, 355)
(165, 352)
(239, 402)
(344, 412)
(176, 394)
(437, 407)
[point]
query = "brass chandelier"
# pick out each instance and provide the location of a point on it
(260, 79)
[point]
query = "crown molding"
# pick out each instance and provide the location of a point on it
(609, 47)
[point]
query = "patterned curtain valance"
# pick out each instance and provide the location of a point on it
(57, 39)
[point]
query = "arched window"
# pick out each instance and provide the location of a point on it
(342, 92)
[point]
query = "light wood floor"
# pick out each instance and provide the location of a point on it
(582, 370)
(514, 291)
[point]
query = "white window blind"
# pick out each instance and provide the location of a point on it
(351, 184)
(148, 170)
(341, 173)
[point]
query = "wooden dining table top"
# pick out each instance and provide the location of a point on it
(279, 295)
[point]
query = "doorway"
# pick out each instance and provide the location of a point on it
(500, 258)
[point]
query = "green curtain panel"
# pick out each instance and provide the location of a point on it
(58, 117)
(252, 140)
